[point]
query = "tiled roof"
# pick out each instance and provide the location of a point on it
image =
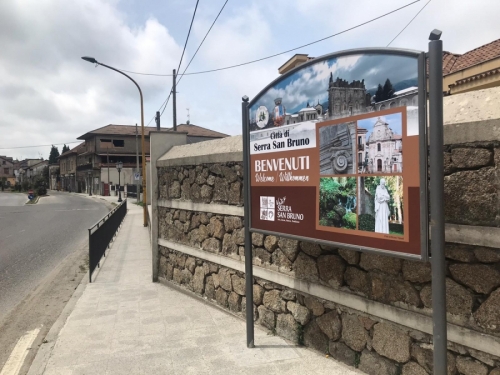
(477, 56)
(75, 150)
(449, 60)
(193, 130)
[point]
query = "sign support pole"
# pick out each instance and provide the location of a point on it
(437, 206)
(248, 238)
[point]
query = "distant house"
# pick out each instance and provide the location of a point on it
(96, 157)
(7, 171)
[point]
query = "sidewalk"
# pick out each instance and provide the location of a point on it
(125, 324)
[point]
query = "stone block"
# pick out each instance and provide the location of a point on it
(466, 158)
(169, 274)
(289, 247)
(195, 193)
(199, 280)
(288, 295)
(459, 301)
(266, 318)
(192, 175)
(342, 353)
(190, 264)
(459, 252)
(350, 256)
(228, 245)
(234, 194)
(413, 368)
(391, 342)
(257, 239)
(239, 236)
(273, 301)
(424, 357)
(221, 297)
(209, 288)
(373, 364)
(271, 243)
(331, 270)
(238, 285)
(220, 191)
(315, 338)
(225, 279)
(417, 272)
(468, 366)
(471, 197)
(300, 313)
(186, 278)
(479, 277)
(212, 245)
(330, 324)
(367, 322)
(258, 294)
(261, 256)
(185, 190)
(310, 249)
(244, 309)
(211, 180)
(216, 228)
(305, 268)
(287, 327)
(174, 191)
(234, 302)
(383, 263)
(389, 289)
(353, 332)
(232, 222)
(177, 278)
(280, 260)
(357, 280)
(488, 314)
(314, 305)
(487, 254)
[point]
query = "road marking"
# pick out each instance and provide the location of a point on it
(18, 355)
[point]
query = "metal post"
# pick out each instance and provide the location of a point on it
(137, 182)
(119, 190)
(174, 98)
(248, 239)
(436, 198)
(109, 183)
(90, 270)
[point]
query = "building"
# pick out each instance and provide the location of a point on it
(347, 98)
(25, 172)
(7, 176)
(54, 177)
(103, 148)
(294, 61)
(67, 168)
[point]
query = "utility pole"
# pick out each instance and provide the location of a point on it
(109, 183)
(157, 119)
(189, 119)
(175, 101)
(137, 182)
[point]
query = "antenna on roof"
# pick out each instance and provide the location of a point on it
(187, 109)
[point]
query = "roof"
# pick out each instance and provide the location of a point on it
(406, 91)
(75, 150)
(192, 130)
(477, 56)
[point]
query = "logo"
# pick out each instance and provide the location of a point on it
(286, 213)
(262, 116)
(267, 208)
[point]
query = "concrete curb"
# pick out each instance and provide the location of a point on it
(45, 350)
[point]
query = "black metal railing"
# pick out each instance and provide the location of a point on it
(101, 234)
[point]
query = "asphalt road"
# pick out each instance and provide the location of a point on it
(42, 260)
(35, 238)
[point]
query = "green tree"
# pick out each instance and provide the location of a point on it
(64, 149)
(388, 89)
(54, 153)
(379, 94)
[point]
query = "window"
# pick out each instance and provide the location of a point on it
(379, 147)
(360, 157)
(359, 140)
(4, 162)
(118, 143)
(105, 143)
(6, 170)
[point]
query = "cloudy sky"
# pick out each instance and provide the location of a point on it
(48, 95)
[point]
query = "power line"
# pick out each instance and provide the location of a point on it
(189, 32)
(205, 37)
(52, 144)
(408, 24)
(284, 52)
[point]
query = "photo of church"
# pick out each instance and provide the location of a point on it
(380, 144)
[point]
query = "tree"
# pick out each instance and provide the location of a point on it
(64, 149)
(379, 95)
(54, 153)
(388, 89)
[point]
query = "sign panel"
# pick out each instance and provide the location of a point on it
(137, 176)
(335, 153)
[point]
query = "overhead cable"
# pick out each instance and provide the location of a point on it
(408, 24)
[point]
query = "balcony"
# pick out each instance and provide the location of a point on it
(361, 147)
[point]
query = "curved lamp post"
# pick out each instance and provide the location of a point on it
(145, 206)
(90, 183)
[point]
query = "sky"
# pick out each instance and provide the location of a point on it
(393, 121)
(48, 95)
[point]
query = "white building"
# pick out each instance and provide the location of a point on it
(382, 151)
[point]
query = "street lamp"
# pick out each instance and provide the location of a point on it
(119, 166)
(90, 183)
(145, 206)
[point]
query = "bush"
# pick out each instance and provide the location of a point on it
(41, 190)
(367, 222)
(349, 220)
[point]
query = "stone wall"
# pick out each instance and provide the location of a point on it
(373, 344)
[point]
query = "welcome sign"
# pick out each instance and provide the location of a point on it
(337, 153)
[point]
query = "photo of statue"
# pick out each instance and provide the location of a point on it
(382, 208)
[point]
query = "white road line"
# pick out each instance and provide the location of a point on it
(18, 355)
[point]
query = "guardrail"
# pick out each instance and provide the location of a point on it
(101, 234)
